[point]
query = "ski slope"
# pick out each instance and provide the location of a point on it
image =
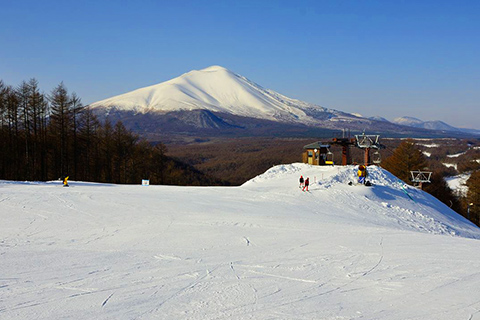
(264, 250)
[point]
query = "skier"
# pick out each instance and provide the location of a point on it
(301, 182)
(307, 182)
(65, 181)
(362, 174)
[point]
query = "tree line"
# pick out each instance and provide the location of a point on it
(47, 136)
(407, 157)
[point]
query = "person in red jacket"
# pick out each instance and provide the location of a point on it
(307, 182)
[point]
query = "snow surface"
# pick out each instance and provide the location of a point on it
(408, 121)
(430, 145)
(450, 165)
(455, 155)
(219, 90)
(457, 183)
(264, 250)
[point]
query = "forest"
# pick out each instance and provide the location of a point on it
(48, 136)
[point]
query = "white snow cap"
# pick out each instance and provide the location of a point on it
(216, 89)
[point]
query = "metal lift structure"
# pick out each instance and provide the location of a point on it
(368, 142)
(420, 177)
(345, 142)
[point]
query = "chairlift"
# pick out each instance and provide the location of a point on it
(329, 157)
(367, 141)
(376, 157)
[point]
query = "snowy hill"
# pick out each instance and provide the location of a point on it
(431, 125)
(408, 121)
(264, 250)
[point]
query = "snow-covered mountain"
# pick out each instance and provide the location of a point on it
(408, 121)
(217, 98)
(431, 125)
(264, 250)
(217, 89)
(378, 118)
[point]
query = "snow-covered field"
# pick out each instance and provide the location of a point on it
(455, 155)
(450, 165)
(457, 183)
(265, 250)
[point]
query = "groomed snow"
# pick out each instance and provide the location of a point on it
(265, 250)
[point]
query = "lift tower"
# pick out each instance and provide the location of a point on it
(345, 143)
(367, 142)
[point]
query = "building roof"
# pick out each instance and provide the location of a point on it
(316, 145)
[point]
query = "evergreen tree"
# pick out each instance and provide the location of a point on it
(107, 151)
(76, 110)
(405, 158)
(38, 109)
(13, 128)
(3, 129)
(123, 142)
(88, 145)
(23, 93)
(440, 190)
(60, 122)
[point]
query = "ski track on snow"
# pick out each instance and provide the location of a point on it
(264, 250)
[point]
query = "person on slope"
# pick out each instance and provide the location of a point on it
(307, 182)
(362, 174)
(301, 182)
(65, 181)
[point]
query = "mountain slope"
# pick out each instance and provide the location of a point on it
(262, 250)
(431, 125)
(219, 90)
(215, 89)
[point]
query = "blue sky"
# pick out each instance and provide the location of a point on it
(385, 58)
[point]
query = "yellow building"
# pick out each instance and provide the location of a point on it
(317, 154)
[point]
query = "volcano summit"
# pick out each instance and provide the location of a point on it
(219, 99)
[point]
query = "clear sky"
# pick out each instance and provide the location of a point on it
(387, 58)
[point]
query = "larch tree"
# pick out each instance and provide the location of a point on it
(405, 158)
(473, 197)
(60, 122)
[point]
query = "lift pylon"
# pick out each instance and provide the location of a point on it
(345, 143)
(367, 142)
(420, 177)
